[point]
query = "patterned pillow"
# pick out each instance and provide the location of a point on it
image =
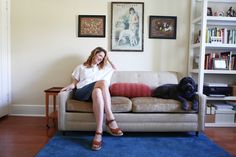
(130, 90)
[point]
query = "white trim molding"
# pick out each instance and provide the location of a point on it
(28, 110)
(5, 57)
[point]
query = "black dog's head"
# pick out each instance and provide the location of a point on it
(187, 87)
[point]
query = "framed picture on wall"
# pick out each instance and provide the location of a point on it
(127, 26)
(91, 26)
(162, 27)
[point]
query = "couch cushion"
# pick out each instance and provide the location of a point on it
(119, 104)
(150, 104)
(130, 90)
(78, 106)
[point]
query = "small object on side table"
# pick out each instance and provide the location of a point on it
(51, 92)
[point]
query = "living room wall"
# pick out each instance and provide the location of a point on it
(45, 47)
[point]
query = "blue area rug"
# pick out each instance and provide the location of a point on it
(78, 144)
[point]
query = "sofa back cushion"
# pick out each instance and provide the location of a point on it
(130, 90)
(152, 79)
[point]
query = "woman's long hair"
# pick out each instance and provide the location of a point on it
(89, 61)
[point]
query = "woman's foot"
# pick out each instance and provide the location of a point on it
(97, 141)
(113, 128)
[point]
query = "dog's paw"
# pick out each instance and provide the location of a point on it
(195, 106)
(185, 106)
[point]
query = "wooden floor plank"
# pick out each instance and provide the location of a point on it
(25, 136)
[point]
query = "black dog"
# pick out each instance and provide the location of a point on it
(185, 90)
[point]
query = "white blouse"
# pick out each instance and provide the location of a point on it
(86, 75)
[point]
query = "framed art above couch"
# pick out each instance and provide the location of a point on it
(127, 26)
(92, 26)
(162, 27)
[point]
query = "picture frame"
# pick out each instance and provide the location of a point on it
(127, 20)
(220, 64)
(91, 26)
(162, 27)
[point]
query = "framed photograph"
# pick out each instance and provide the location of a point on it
(162, 27)
(91, 26)
(127, 26)
(220, 64)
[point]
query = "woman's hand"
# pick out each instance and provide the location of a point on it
(68, 88)
(112, 65)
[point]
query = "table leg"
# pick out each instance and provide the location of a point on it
(54, 103)
(54, 110)
(46, 110)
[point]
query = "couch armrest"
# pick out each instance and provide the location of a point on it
(63, 97)
(201, 111)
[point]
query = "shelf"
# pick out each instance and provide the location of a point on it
(195, 71)
(217, 46)
(228, 72)
(222, 98)
(221, 21)
(196, 45)
(197, 20)
(220, 46)
(233, 72)
(220, 124)
(216, 20)
(221, 1)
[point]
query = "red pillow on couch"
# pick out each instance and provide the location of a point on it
(130, 90)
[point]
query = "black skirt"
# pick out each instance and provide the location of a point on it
(84, 93)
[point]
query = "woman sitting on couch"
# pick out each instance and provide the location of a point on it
(90, 83)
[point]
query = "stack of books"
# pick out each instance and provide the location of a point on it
(224, 113)
(223, 107)
(221, 35)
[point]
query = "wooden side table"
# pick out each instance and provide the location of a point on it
(51, 92)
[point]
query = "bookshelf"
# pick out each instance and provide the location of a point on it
(212, 35)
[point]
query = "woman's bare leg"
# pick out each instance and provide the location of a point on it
(98, 109)
(107, 102)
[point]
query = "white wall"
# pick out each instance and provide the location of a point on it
(5, 89)
(45, 46)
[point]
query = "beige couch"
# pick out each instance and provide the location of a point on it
(141, 114)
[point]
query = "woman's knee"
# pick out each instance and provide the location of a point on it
(97, 92)
(101, 84)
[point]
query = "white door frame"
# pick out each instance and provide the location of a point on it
(5, 58)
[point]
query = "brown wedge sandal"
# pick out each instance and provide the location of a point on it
(114, 132)
(97, 145)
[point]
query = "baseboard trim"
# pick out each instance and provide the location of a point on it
(32, 110)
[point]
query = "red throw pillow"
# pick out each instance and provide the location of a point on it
(130, 90)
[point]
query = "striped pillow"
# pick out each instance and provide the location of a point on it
(130, 90)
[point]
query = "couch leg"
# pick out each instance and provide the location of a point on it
(63, 133)
(197, 133)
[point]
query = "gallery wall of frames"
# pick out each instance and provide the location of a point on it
(127, 26)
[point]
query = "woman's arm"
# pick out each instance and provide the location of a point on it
(70, 86)
(112, 65)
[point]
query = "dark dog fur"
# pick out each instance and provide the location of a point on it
(184, 91)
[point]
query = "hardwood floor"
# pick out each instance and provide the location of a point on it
(25, 136)
(225, 137)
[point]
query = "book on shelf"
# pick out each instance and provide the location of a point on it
(232, 103)
(229, 56)
(221, 35)
(223, 106)
(210, 109)
(233, 61)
